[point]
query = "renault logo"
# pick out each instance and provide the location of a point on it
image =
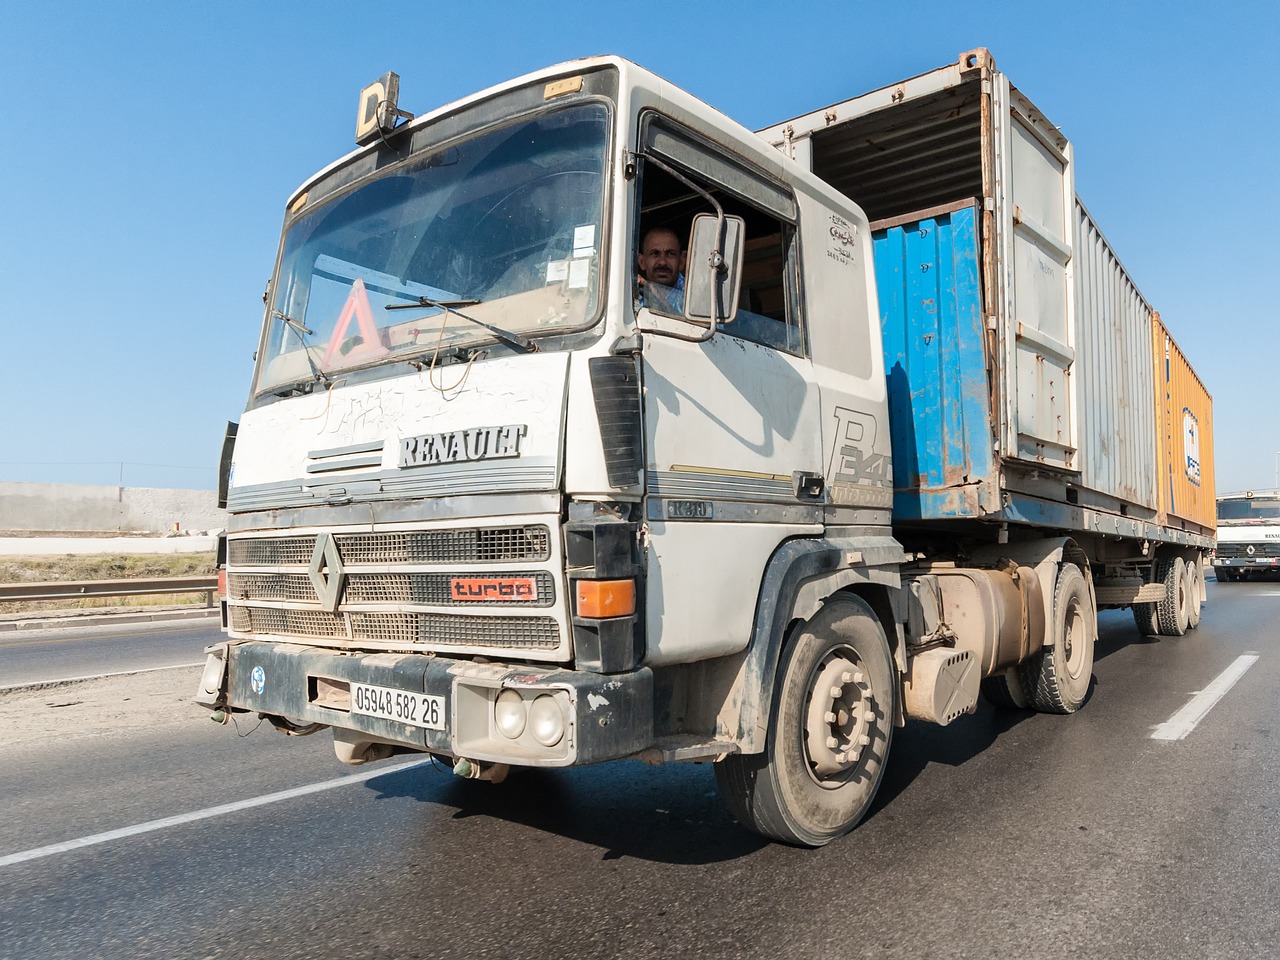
(326, 571)
(1249, 549)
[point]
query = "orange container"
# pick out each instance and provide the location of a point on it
(1184, 414)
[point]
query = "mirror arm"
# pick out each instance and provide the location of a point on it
(716, 260)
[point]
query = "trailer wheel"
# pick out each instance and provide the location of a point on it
(1171, 612)
(1195, 584)
(1144, 618)
(1006, 690)
(833, 715)
(1057, 678)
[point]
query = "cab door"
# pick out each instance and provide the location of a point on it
(731, 416)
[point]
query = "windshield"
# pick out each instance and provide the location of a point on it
(497, 233)
(1252, 508)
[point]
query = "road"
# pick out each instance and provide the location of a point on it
(33, 656)
(1002, 835)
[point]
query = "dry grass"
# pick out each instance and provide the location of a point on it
(104, 567)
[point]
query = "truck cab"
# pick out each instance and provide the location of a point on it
(489, 500)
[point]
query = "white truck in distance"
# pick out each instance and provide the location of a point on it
(1248, 535)
(494, 500)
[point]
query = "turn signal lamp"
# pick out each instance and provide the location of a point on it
(222, 581)
(599, 599)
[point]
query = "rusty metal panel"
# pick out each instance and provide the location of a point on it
(1115, 381)
(927, 274)
(1184, 411)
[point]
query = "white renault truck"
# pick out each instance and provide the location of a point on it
(1248, 535)
(895, 438)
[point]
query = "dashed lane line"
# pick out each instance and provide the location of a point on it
(1184, 721)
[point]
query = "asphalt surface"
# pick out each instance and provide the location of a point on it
(60, 653)
(1003, 835)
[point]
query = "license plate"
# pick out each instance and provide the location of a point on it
(417, 709)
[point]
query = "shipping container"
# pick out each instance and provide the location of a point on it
(1017, 346)
(1184, 411)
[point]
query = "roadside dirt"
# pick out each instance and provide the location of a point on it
(99, 708)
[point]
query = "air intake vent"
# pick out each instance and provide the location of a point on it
(616, 387)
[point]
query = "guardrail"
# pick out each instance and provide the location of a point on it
(133, 587)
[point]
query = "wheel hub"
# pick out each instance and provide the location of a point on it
(839, 716)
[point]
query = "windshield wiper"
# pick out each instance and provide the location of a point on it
(295, 324)
(301, 330)
(508, 337)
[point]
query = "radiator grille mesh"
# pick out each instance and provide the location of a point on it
(478, 545)
(434, 589)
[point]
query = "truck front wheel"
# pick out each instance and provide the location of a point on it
(828, 741)
(1058, 677)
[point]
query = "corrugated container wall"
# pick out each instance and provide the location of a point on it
(1117, 433)
(1184, 411)
(1017, 348)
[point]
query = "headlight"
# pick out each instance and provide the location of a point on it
(509, 714)
(546, 720)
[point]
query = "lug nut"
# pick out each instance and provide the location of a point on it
(832, 743)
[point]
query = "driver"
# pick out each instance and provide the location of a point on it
(660, 263)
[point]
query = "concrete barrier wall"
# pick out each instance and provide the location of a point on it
(72, 508)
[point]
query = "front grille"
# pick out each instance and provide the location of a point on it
(445, 630)
(1265, 548)
(288, 623)
(407, 572)
(402, 629)
(478, 545)
(433, 589)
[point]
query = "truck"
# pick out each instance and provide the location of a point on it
(1248, 535)
(901, 428)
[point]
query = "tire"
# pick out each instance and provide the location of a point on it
(1195, 584)
(1144, 618)
(1171, 612)
(825, 754)
(1006, 690)
(1057, 678)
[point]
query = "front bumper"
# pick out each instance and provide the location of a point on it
(1247, 563)
(607, 716)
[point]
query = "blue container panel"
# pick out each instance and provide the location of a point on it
(928, 273)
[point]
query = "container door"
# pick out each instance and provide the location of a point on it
(1035, 191)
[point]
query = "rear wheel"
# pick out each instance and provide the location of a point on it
(1144, 618)
(1171, 612)
(1057, 678)
(1195, 589)
(1006, 689)
(833, 714)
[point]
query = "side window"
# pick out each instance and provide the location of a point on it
(767, 312)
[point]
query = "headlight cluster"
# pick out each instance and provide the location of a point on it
(543, 717)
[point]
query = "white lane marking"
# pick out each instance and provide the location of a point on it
(207, 813)
(1185, 720)
(38, 684)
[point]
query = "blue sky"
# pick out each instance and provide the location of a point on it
(148, 149)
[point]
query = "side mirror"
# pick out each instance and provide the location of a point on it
(713, 272)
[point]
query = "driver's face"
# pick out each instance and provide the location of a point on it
(660, 259)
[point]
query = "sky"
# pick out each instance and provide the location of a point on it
(148, 149)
